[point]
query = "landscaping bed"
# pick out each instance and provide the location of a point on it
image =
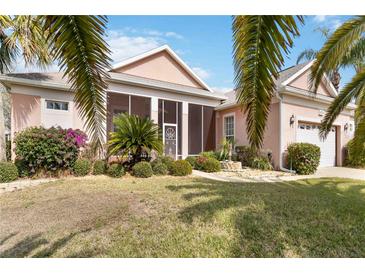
(248, 173)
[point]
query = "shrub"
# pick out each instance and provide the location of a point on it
(304, 157)
(8, 172)
(246, 155)
(354, 159)
(199, 162)
(191, 160)
(82, 167)
(22, 167)
(160, 169)
(99, 167)
(211, 165)
(181, 168)
(166, 160)
(208, 154)
(50, 149)
(142, 170)
(115, 170)
(262, 163)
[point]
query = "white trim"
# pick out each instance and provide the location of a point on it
(173, 55)
(304, 119)
(332, 89)
(177, 136)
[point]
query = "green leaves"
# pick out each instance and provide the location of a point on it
(77, 43)
(134, 135)
(336, 48)
(259, 43)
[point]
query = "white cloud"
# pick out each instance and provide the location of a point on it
(174, 35)
(335, 24)
(320, 18)
(202, 73)
(222, 89)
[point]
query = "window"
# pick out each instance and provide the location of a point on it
(57, 105)
(229, 128)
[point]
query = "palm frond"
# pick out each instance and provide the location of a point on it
(258, 47)
(77, 43)
(353, 89)
(7, 54)
(355, 57)
(27, 37)
(336, 47)
(307, 55)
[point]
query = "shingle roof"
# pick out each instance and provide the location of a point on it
(283, 76)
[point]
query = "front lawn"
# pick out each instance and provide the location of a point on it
(184, 217)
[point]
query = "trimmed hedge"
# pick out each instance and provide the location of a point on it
(304, 157)
(181, 168)
(115, 170)
(160, 169)
(353, 159)
(209, 154)
(246, 155)
(8, 172)
(166, 160)
(82, 167)
(211, 165)
(142, 170)
(99, 167)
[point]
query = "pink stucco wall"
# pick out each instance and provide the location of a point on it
(307, 114)
(303, 82)
(271, 139)
(25, 112)
(160, 66)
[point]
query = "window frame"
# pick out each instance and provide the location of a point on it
(234, 125)
(67, 103)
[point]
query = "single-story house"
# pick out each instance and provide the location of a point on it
(193, 117)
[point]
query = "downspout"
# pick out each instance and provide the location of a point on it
(281, 167)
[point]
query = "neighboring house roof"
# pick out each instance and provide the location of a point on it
(287, 76)
(56, 81)
(167, 49)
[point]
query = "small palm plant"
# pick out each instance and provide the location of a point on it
(134, 136)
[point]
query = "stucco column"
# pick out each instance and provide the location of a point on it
(185, 130)
(154, 109)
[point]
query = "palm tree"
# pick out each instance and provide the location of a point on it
(77, 45)
(344, 46)
(259, 43)
(134, 135)
(310, 54)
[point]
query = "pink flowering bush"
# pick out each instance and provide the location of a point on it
(54, 149)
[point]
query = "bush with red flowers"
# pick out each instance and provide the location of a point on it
(48, 150)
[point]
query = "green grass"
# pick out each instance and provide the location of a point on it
(184, 217)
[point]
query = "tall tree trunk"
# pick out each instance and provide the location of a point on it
(335, 79)
(2, 130)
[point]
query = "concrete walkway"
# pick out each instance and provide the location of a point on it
(23, 183)
(337, 172)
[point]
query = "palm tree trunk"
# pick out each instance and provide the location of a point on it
(2, 131)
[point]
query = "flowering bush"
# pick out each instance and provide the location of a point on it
(48, 150)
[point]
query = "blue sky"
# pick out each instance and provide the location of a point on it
(203, 42)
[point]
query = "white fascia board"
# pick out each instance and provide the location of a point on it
(172, 53)
(316, 97)
(34, 83)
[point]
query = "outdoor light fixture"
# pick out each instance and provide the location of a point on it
(291, 121)
(346, 127)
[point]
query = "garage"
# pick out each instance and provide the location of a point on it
(309, 133)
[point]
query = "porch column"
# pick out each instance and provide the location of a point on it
(185, 130)
(154, 109)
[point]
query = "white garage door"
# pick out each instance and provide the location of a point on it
(309, 133)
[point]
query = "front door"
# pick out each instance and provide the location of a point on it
(170, 140)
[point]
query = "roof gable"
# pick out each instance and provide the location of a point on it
(161, 64)
(299, 77)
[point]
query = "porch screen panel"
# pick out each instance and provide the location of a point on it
(116, 104)
(141, 106)
(160, 113)
(208, 128)
(179, 126)
(170, 112)
(195, 129)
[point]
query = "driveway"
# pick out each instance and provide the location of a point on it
(341, 172)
